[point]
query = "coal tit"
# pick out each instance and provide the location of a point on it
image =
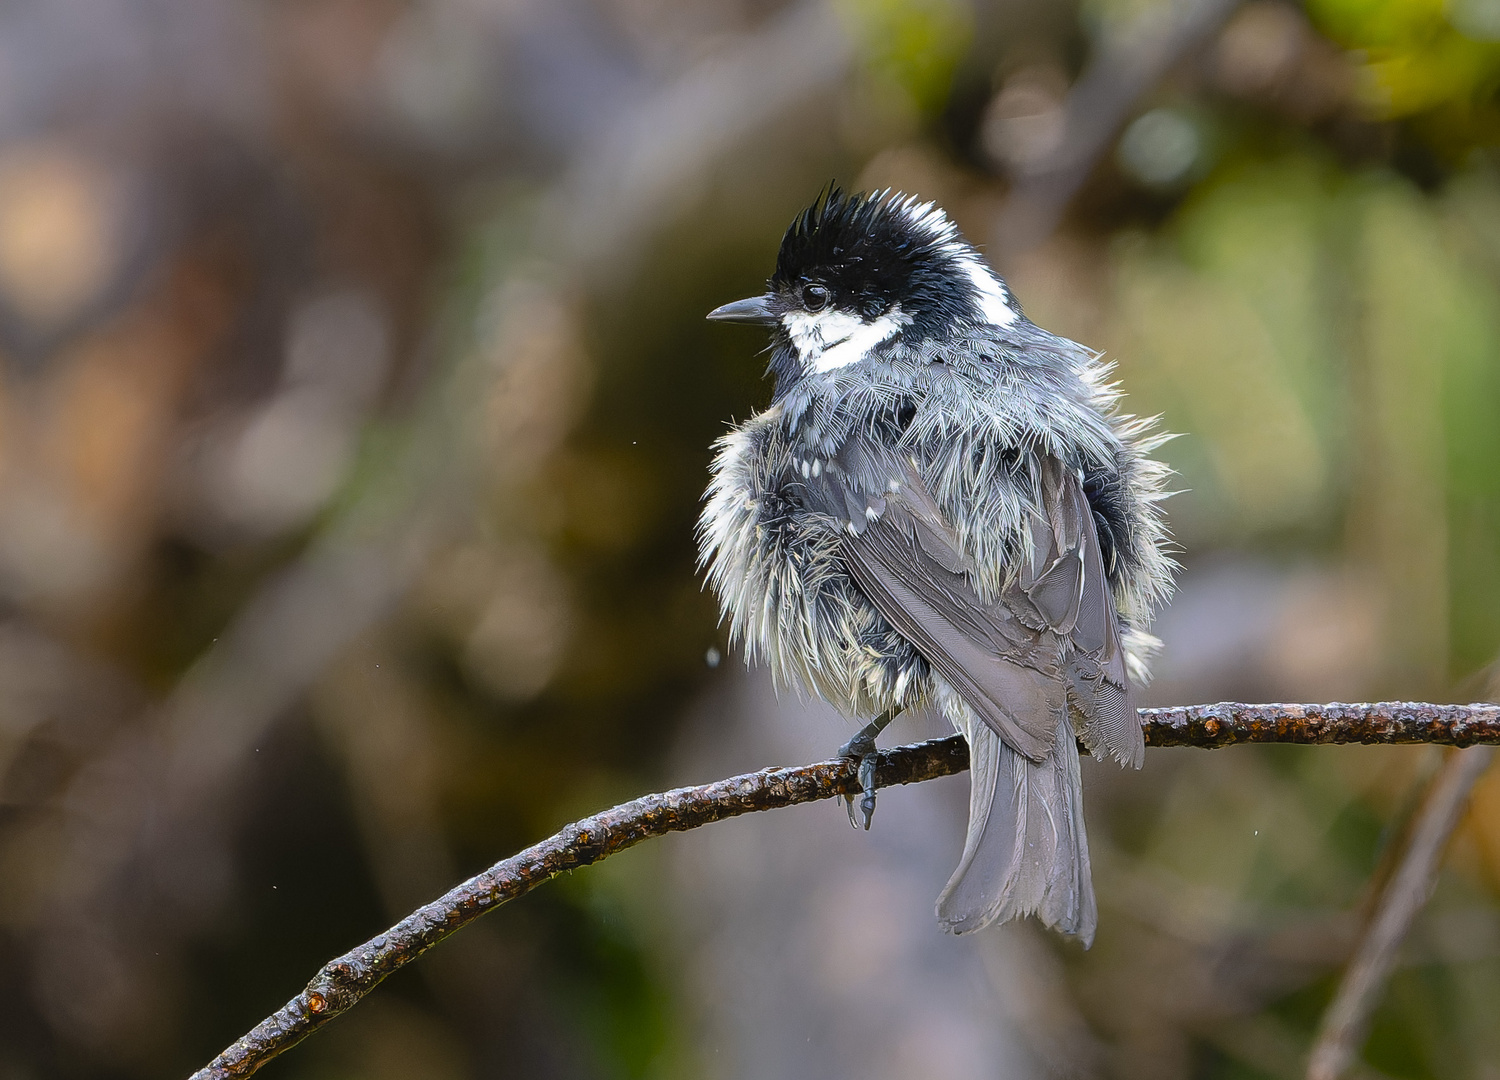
(943, 505)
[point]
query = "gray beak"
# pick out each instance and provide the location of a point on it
(757, 309)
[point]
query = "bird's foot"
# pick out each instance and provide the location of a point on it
(861, 749)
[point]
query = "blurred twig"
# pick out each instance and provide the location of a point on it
(1128, 65)
(1347, 1019)
(344, 981)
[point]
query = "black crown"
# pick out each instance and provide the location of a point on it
(876, 250)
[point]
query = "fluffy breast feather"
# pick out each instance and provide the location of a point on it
(783, 585)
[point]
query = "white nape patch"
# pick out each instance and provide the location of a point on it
(991, 296)
(827, 340)
(927, 216)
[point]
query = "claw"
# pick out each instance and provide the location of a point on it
(861, 749)
(866, 781)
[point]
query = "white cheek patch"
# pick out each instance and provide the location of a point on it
(833, 339)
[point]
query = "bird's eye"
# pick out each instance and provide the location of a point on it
(814, 297)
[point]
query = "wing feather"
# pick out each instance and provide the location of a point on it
(1019, 702)
(1098, 684)
(1050, 640)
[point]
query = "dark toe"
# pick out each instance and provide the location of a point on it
(858, 748)
(867, 783)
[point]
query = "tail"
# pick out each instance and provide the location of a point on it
(1026, 852)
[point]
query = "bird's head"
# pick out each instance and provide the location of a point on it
(858, 273)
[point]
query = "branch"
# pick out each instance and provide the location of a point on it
(344, 981)
(1347, 1019)
(1209, 727)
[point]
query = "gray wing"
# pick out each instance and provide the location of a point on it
(1069, 587)
(1052, 639)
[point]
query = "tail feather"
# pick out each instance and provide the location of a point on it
(1026, 852)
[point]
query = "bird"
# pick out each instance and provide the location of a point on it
(944, 505)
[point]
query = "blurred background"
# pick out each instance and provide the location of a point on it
(355, 403)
